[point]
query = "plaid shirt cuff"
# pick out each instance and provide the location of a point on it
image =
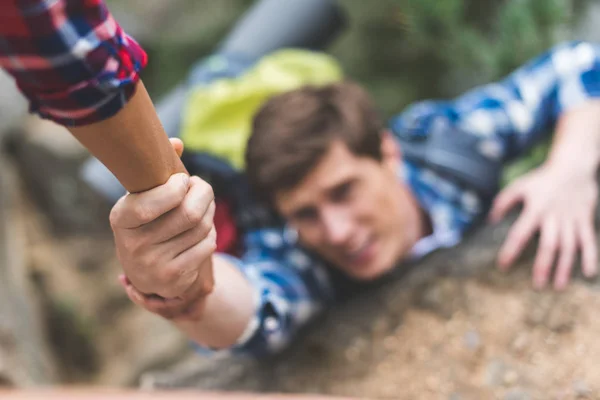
(101, 97)
(71, 60)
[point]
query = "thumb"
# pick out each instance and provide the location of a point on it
(505, 201)
(177, 146)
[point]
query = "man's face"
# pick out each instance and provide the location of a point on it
(354, 211)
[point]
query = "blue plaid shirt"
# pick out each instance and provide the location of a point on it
(291, 286)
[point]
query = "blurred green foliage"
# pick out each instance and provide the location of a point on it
(405, 50)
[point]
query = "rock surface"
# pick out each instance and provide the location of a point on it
(450, 326)
(453, 327)
(25, 358)
(48, 158)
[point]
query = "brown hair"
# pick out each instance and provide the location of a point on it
(294, 130)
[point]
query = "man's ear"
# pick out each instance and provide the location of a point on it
(390, 150)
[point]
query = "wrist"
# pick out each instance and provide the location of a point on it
(227, 312)
(575, 164)
(576, 145)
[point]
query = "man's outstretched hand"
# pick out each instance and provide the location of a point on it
(559, 203)
(165, 240)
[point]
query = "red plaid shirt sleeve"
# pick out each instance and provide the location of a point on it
(70, 58)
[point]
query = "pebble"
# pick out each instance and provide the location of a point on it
(581, 389)
(472, 340)
(581, 349)
(520, 343)
(494, 372)
(510, 378)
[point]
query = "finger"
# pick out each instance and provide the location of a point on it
(167, 308)
(177, 145)
(201, 256)
(589, 249)
(188, 239)
(189, 269)
(517, 238)
(137, 209)
(505, 201)
(196, 208)
(546, 253)
(568, 249)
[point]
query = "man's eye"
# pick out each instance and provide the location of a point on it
(305, 215)
(342, 192)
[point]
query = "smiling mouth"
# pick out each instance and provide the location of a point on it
(363, 253)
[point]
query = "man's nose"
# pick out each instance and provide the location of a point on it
(338, 226)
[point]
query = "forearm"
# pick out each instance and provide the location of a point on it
(228, 310)
(132, 144)
(576, 143)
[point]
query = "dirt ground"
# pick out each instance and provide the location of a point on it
(455, 329)
(505, 343)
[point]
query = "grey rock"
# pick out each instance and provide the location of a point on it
(582, 389)
(13, 106)
(25, 356)
(320, 355)
(494, 373)
(443, 297)
(48, 159)
(472, 340)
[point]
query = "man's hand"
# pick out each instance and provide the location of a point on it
(560, 203)
(165, 239)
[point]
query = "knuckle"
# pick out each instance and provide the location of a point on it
(130, 246)
(193, 213)
(213, 240)
(141, 213)
(205, 227)
(171, 275)
(207, 286)
(212, 208)
(181, 188)
(114, 217)
(116, 213)
(137, 249)
(204, 186)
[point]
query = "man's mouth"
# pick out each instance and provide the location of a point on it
(361, 254)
